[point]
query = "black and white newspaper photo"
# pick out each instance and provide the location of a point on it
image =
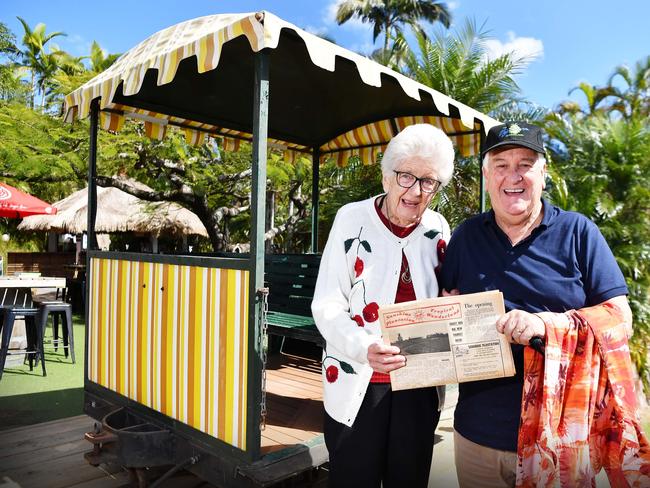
(447, 340)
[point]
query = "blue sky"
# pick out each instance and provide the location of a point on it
(576, 40)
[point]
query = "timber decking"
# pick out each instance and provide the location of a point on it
(294, 396)
(51, 454)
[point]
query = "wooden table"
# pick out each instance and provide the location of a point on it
(17, 290)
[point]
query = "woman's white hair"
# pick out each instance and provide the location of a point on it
(423, 141)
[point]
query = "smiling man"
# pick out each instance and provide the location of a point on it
(543, 259)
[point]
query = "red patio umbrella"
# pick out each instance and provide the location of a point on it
(17, 204)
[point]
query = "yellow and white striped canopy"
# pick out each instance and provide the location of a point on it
(198, 76)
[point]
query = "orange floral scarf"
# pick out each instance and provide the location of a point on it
(579, 410)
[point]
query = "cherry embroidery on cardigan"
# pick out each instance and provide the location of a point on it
(370, 310)
(358, 263)
(332, 372)
(358, 267)
(441, 249)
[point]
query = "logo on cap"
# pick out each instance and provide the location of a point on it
(512, 130)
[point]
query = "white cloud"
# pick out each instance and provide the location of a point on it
(365, 48)
(527, 47)
(329, 17)
(453, 5)
(317, 31)
(74, 44)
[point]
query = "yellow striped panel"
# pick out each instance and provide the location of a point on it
(194, 137)
(375, 136)
(155, 131)
(173, 338)
(110, 121)
(230, 144)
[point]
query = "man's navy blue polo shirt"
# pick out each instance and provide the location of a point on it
(564, 264)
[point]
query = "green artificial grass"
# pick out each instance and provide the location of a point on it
(27, 397)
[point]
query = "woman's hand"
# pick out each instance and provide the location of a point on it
(384, 358)
(520, 327)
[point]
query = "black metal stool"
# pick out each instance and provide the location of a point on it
(8, 315)
(58, 310)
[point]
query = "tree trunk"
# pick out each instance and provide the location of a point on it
(32, 97)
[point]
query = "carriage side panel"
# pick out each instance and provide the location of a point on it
(173, 338)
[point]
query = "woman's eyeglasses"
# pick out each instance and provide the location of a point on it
(407, 180)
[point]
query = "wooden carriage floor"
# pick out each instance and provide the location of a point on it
(294, 396)
(50, 455)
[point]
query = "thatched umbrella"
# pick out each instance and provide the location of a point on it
(117, 212)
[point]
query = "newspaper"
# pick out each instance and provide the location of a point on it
(447, 340)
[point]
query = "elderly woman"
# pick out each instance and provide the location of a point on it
(381, 251)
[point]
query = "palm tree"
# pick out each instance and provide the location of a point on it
(597, 98)
(636, 97)
(41, 64)
(457, 64)
(72, 73)
(388, 16)
(99, 59)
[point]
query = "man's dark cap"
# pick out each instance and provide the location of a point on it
(520, 134)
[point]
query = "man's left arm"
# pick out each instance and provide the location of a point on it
(520, 327)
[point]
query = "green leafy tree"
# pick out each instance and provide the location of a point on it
(634, 98)
(7, 41)
(48, 158)
(457, 64)
(388, 16)
(11, 85)
(42, 65)
(100, 60)
(73, 73)
(214, 184)
(338, 186)
(602, 170)
(597, 99)
(41, 153)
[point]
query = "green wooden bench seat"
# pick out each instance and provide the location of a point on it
(291, 279)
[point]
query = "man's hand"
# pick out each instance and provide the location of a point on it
(520, 327)
(384, 358)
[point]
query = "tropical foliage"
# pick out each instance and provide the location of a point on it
(388, 16)
(458, 64)
(601, 168)
(11, 85)
(41, 64)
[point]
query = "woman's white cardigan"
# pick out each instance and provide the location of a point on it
(361, 265)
